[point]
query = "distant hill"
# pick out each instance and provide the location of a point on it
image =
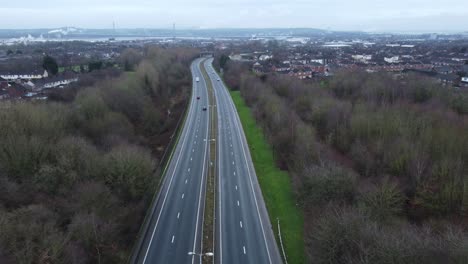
(71, 32)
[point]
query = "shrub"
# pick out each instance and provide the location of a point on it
(98, 236)
(148, 78)
(445, 191)
(94, 197)
(153, 121)
(27, 134)
(76, 154)
(31, 235)
(130, 58)
(384, 202)
(348, 236)
(89, 105)
(126, 99)
(22, 156)
(50, 178)
(48, 121)
(329, 184)
(129, 171)
(111, 123)
(459, 103)
(11, 193)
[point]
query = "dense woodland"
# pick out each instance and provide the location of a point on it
(379, 162)
(78, 173)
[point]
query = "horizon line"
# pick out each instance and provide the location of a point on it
(195, 28)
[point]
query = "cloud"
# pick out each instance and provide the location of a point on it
(335, 14)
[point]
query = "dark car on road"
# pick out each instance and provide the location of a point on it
(204, 108)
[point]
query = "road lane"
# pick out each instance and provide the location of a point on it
(244, 233)
(175, 225)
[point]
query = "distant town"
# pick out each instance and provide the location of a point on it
(301, 53)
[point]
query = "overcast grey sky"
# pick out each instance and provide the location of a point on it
(367, 15)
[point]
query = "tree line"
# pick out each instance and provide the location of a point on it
(378, 161)
(77, 176)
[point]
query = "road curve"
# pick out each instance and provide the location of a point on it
(243, 230)
(175, 225)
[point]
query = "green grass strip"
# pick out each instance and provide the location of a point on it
(276, 186)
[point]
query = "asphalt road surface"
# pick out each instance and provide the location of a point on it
(243, 229)
(175, 226)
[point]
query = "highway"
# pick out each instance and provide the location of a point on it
(174, 227)
(243, 229)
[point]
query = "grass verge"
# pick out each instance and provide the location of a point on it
(276, 186)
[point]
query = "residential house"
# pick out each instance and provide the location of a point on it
(3, 83)
(265, 57)
(448, 78)
(24, 76)
(281, 67)
(319, 61)
(16, 90)
(464, 82)
(394, 59)
(301, 73)
(242, 57)
(362, 58)
(444, 69)
(58, 82)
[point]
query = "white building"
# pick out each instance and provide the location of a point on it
(265, 57)
(12, 77)
(362, 58)
(317, 61)
(59, 83)
(394, 59)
